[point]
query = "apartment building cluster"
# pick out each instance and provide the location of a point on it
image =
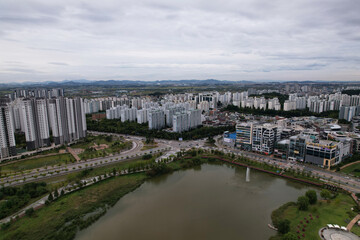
(102, 104)
(348, 106)
(44, 116)
(180, 117)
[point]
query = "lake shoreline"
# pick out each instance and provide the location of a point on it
(135, 180)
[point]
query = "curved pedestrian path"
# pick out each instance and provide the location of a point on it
(336, 234)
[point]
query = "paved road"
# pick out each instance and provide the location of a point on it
(348, 183)
(53, 171)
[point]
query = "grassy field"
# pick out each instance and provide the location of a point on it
(336, 211)
(352, 169)
(71, 209)
(37, 163)
(356, 230)
(149, 146)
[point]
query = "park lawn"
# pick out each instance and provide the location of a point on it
(38, 162)
(149, 146)
(51, 219)
(91, 139)
(116, 145)
(356, 230)
(352, 169)
(334, 212)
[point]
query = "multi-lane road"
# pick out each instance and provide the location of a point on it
(54, 171)
(346, 182)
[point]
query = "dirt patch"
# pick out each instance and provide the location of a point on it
(100, 147)
(78, 150)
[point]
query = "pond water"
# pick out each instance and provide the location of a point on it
(208, 202)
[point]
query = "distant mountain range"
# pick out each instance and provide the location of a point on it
(82, 82)
(192, 82)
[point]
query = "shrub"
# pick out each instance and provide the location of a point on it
(303, 203)
(283, 226)
(289, 236)
(311, 195)
(29, 212)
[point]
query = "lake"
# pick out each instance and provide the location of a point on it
(208, 202)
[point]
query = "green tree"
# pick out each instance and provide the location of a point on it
(289, 236)
(29, 212)
(283, 226)
(210, 140)
(51, 197)
(325, 194)
(109, 138)
(311, 195)
(303, 203)
(56, 193)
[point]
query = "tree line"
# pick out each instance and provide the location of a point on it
(287, 114)
(17, 197)
(134, 128)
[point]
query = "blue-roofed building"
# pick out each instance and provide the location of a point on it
(229, 138)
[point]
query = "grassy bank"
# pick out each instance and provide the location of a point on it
(62, 218)
(334, 211)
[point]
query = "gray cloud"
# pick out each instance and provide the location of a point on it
(161, 39)
(59, 63)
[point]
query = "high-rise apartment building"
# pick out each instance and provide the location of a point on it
(7, 138)
(156, 118)
(35, 120)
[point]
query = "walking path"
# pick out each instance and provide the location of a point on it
(51, 171)
(73, 153)
(349, 164)
(74, 187)
(352, 222)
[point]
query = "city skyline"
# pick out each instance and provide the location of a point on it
(155, 40)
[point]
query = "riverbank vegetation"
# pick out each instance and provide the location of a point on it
(305, 219)
(134, 128)
(13, 199)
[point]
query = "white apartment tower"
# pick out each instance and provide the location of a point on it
(156, 118)
(36, 124)
(7, 138)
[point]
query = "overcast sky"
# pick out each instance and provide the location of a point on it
(54, 40)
